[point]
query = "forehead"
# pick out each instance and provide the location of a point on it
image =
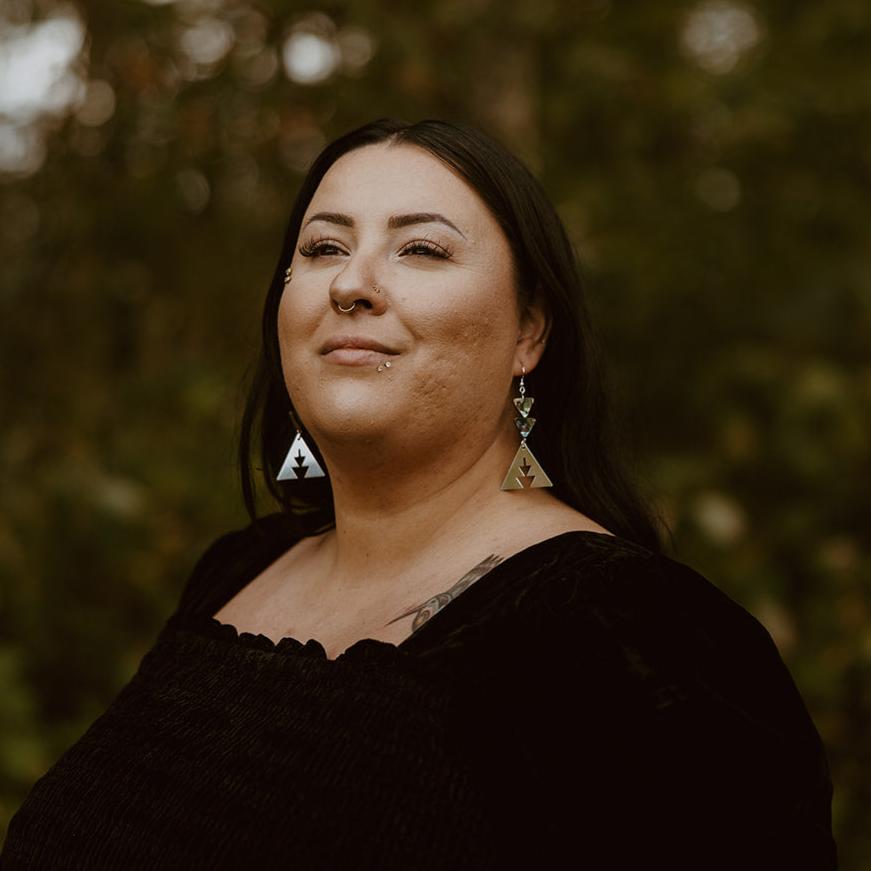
(382, 180)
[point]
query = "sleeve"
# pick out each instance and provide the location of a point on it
(662, 726)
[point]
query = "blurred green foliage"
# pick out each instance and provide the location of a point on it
(711, 160)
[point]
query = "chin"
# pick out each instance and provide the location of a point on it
(350, 423)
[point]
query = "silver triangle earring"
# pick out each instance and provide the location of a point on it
(300, 462)
(524, 472)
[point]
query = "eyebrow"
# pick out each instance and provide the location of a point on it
(394, 223)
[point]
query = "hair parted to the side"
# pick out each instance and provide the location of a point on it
(576, 440)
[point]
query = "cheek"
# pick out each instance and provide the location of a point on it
(294, 321)
(474, 331)
(468, 367)
(283, 322)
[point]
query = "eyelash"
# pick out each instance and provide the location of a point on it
(424, 247)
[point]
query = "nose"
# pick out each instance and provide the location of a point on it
(356, 286)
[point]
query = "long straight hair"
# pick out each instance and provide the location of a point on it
(576, 442)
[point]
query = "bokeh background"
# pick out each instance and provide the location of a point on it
(711, 159)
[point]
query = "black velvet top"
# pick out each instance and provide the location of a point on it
(586, 704)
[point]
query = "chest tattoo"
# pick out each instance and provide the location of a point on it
(433, 605)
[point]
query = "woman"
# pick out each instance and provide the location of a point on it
(449, 649)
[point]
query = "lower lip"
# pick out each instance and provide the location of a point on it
(357, 356)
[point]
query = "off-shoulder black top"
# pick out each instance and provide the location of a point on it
(586, 704)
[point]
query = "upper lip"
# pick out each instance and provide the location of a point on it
(355, 342)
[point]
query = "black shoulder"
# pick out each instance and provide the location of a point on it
(675, 693)
(231, 554)
(677, 633)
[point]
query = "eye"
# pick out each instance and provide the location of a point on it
(426, 248)
(320, 248)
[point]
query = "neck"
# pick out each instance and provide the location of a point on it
(391, 518)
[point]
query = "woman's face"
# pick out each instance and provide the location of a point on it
(396, 218)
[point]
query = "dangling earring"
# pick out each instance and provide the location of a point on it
(524, 472)
(300, 462)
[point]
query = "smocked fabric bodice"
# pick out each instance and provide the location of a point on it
(585, 704)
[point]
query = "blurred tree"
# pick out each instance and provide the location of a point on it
(710, 160)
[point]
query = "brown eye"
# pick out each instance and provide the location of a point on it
(425, 248)
(320, 248)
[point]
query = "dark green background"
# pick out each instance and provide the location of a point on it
(722, 216)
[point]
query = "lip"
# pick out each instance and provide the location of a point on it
(356, 356)
(354, 343)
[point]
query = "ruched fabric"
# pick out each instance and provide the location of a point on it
(585, 704)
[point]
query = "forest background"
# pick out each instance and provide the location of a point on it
(712, 161)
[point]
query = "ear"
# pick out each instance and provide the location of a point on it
(535, 324)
